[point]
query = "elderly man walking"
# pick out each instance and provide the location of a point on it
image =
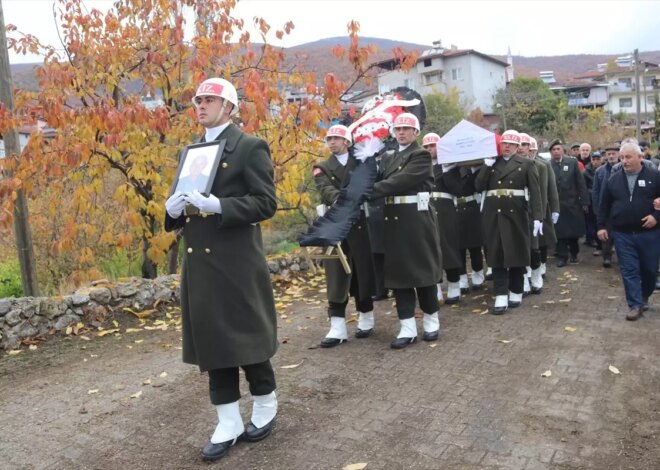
(627, 201)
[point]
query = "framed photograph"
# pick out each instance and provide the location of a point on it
(198, 165)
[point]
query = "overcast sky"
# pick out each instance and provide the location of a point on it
(530, 28)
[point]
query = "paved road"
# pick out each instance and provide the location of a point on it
(471, 400)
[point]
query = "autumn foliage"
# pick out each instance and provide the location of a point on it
(102, 180)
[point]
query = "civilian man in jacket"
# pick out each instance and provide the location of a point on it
(573, 203)
(412, 245)
(627, 201)
(227, 307)
(330, 176)
(601, 175)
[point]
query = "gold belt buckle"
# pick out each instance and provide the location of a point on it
(191, 210)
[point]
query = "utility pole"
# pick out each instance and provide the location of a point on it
(637, 110)
(12, 147)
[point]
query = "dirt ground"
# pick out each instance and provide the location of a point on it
(475, 399)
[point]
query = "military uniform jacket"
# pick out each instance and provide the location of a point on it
(412, 245)
(506, 218)
(330, 177)
(469, 214)
(449, 182)
(549, 201)
(227, 307)
(572, 196)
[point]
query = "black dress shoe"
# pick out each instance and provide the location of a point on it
(526, 293)
(255, 434)
(400, 343)
(452, 300)
(331, 342)
(513, 304)
(657, 284)
(607, 263)
(377, 297)
(573, 260)
(498, 310)
(489, 277)
(364, 333)
(561, 263)
(213, 451)
(536, 290)
(431, 335)
(477, 286)
(464, 290)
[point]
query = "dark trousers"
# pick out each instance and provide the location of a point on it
(508, 279)
(566, 245)
(476, 259)
(338, 309)
(638, 255)
(379, 263)
(535, 258)
(405, 300)
(223, 383)
(590, 223)
(543, 253)
(453, 275)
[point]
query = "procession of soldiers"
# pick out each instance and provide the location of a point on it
(427, 223)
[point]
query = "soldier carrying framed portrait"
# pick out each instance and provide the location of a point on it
(198, 165)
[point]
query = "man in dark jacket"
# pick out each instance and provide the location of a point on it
(412, 246)
(511, 185)
(592, 163)
(601, 175)
(573, 203)
(627, 202)
(330, 176)
(227, 306)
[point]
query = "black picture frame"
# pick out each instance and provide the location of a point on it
(198, 165)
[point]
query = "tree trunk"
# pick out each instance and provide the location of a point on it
(173, 257)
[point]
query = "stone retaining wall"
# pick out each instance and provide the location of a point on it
(27, 317)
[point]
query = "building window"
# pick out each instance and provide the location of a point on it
(625, 102)
(650, 99)
(410, 83)
(432, 77)
(428, 62)
(457, 74)
(625, 82)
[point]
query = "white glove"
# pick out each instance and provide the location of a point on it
(474, 169)
(368, 148)
(555, 217)
(203, 203)
(175, 204)
(538, 228)
(448, 166)
(489, 161)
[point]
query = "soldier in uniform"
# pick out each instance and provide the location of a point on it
(447, 184)
(412, 245)
(470, 232)
(550, 201)
(573, 203)
(511, 183)
(227, 307)
(330, 176)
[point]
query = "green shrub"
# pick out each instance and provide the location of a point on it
(10, 279)
(121, 264)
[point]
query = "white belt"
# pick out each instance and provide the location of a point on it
(437, 195)
(466, 199)
(506, 192)
(401, 200)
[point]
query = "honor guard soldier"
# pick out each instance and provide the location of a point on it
(330, 176)
(412, 245)
(447, 185)
(511, 184)
(550, 209)
(470, 232)
(227, 306)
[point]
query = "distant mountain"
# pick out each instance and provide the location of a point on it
(317, 57)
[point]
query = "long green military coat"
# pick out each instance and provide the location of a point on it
(550, 201)
(449, 182)
(330, 176)
(412, 245)
(572, 196)
(227, 306)
(505, 218)
(470, 232)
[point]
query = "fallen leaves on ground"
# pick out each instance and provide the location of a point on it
(613, 369)
(137, 394)
(570, 329)
(565, 300)
(505, 341)
(547, 373)
(355, 466)
(291, 366)
(92, 391)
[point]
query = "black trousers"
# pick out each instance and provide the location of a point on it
(379, 263)
(543, 252)
(476, 259)
(223, 383)
(453, 275)
(566, 245)
(508, 279)
(535, 259)
(338, 309)
(405, 300)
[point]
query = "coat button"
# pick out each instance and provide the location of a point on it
(396, 218)
(208, 250)
(225, 164)
(399, 168)
(511, 210)
(385, 218)
(499, 182)
(510, 181)
(499, 210)
(190, 250)
(519, 169)
(359, 227)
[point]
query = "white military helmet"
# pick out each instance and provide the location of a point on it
(533, 145)
(511, 137)
(339, 131)
(406, 120)
(431, 138)
(218, 87)
(525, 138)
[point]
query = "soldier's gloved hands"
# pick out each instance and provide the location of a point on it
(489, 161)
(448, 166)
(555, 217)
(175, 204)
(203, 203)
(538, 228)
